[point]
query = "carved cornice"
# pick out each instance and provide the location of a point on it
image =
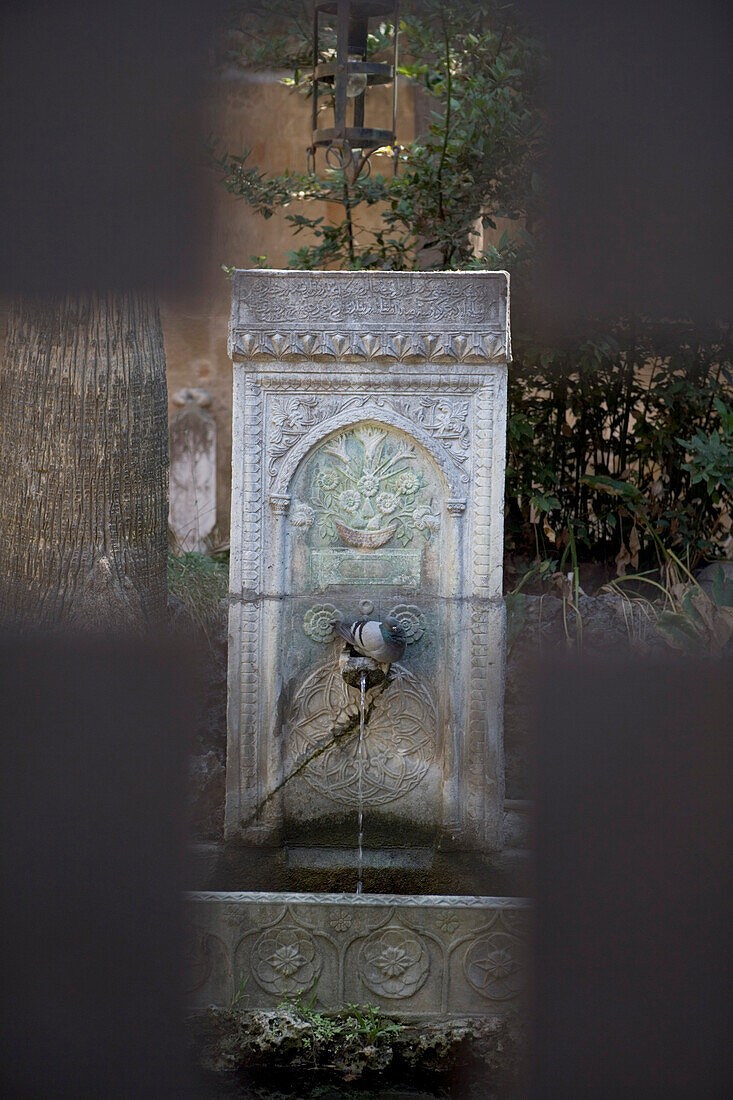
(336, 380)
(301, 426)
(446, 347)
(406, 901)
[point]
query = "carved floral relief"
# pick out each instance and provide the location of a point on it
(367, 488)
(285, 960)
(446, 419)
(394, 962)
(493, 966)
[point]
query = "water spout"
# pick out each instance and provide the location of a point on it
(360, 785)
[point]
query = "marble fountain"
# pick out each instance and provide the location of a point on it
(368, 474)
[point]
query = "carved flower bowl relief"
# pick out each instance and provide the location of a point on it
(365, 540)
(366, 488)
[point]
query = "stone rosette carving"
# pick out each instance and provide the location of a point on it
(319, 620)
(449, 923)
(285, 960)
(340, 921)
(411, 619)
(399, 742)
(394, 962)
(493, 967)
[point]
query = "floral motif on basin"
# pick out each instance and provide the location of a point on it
(340, 921)
(394, 962)
(448, 923)
(285, 960)
(493, 966)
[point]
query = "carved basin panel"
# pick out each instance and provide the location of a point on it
(426, 956)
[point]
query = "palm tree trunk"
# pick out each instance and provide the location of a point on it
(84, 463)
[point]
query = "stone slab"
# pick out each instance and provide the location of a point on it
(192, 433)
(403, 858)
(423, 957)
(368, 478)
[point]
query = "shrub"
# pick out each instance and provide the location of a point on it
(621, 440)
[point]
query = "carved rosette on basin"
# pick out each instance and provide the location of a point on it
(493, 966)
(394, 962)
(286, 960)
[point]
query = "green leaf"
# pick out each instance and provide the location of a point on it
(612, 486)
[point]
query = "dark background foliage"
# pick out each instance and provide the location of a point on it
(620, 431)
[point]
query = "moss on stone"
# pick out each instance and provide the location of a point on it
(244, 868)
(474, 1057)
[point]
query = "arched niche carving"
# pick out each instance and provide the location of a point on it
(367, 505)
(448, 467)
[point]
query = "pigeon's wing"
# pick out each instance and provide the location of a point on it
(364, 635)
(356, 634)
(345, 631)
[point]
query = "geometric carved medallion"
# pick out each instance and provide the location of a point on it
(286, 960)
(399, 739)
(493, 966)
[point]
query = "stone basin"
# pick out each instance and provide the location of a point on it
(416, 956)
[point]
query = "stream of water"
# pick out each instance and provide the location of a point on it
(360, 786)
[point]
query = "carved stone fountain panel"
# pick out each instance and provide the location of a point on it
(368, 465)
(424, 957)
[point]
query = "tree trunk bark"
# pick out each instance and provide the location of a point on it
(84, 464)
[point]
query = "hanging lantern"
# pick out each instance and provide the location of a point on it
(349, 143)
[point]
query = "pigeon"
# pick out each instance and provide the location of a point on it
(383, 642)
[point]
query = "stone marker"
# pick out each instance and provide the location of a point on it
(192, 434)
(368, 481)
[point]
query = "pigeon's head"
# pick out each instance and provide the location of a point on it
(392, 628)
